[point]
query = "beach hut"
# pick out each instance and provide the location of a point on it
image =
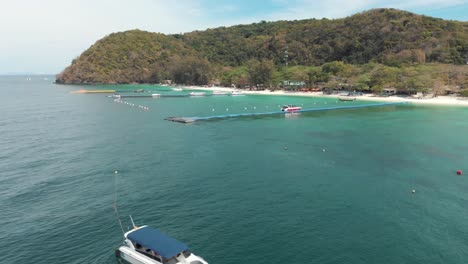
(390, 91)
(292, 85)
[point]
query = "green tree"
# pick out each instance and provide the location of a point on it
(334, 67)
(316, 75)
(260, 72)
(191, 70)
(383, 76)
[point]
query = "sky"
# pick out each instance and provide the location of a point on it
(44, 36)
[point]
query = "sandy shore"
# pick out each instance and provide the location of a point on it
(440, 100)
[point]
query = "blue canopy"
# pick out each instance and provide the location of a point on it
(165, 246)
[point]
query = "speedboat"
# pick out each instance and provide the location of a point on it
(291, 108)
(197, 94)
(155, 95)
(220, 93)
(237, 93)
(146, 245)
(177, 89)
(347, 98)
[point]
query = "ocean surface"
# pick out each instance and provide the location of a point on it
(324, 187)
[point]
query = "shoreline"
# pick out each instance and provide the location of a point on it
(440, 100)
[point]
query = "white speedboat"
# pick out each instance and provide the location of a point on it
(197, 94)
(177, 89)
(291, 108)
(155, 95)
(220, 93)
(237, 93)
(146, 245)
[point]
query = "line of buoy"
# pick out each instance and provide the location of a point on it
(131, 104)
(279, 112)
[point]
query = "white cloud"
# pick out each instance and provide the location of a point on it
(44, 36)
(301, 9)
(432, 4)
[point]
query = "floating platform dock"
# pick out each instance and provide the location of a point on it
(82, 91)
(151, 96)
(206, 118)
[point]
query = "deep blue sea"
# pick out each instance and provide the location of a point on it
(326, 187)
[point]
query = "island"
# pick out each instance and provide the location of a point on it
(383, 51)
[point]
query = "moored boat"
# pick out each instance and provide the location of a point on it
(155, 95)
(237, 93)
(220, 93)
(291, 108)
(347, 98)
(197, 94)
(177, 89)
(146, 245)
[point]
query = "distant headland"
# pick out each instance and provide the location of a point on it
(369, 51)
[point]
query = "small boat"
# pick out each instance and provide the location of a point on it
(139, 91)
(155, 95)
(220, 93)
(347, 98)
(290, 108)
(116, 96)
(146, 245)
(177, 89)
(237, 93)
(197, 94)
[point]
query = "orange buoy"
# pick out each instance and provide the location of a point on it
(459, 172)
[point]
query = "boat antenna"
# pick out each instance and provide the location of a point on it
(116, 211)
(133, 223)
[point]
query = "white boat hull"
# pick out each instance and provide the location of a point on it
(130, 256)
(195, 94)
(220, 93)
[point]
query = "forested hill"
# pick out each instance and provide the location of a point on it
(385, 36)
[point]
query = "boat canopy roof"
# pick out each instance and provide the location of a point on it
(165, 246)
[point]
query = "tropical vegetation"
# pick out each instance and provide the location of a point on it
(369, 51)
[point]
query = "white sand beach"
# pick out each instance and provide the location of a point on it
(440, 100)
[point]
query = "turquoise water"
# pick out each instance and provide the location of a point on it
(328, 187)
